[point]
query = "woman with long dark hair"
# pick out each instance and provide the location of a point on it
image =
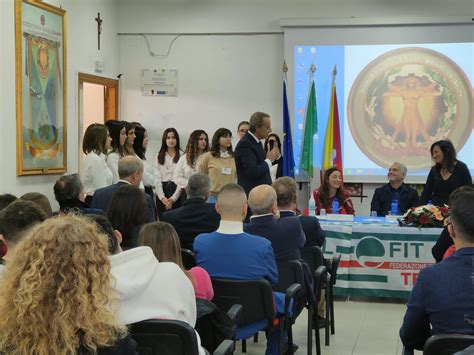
(126, 213)
(95, 173)
(149, 173)
(118, 133)
(332, 188)
(167, 193)
(447, 174)
(198, 144)
(276, 170)
(219, 162)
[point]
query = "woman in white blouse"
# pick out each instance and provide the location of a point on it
(198, 144)
(118, 133)
(168, 195)
(95, 173)
(149, 173)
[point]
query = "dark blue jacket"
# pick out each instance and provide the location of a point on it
(252, 169)
(442, 295)
(311, 228)
(383, 198)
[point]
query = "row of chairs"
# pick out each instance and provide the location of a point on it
(257, 300)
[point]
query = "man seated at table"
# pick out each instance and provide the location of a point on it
(406, 196)
(444, 293)
(230, 253)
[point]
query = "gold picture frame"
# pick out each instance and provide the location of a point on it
(40, 56)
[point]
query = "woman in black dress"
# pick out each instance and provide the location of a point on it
(446, 175)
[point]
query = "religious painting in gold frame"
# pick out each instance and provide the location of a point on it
(40, 51)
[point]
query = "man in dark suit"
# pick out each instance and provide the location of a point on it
(406, 196)
(253, 165)
(195, 216)
(443, 293)
(285, 188)
(130, 170)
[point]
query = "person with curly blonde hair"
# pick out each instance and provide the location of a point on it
(56, 295)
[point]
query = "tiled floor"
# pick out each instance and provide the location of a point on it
(362, 328)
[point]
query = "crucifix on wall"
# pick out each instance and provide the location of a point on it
(99, 29)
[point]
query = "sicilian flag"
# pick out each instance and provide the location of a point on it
(310, 130)
(332, 155)
(288, 157)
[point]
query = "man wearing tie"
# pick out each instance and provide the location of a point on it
(253, 165)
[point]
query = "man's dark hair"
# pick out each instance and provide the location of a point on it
(67, 189)
(104, 227)
(6, 199)
(462, 215)
(17, 218)
(256, 121)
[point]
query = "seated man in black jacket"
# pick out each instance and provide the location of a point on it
(195, 216)
(406, 196)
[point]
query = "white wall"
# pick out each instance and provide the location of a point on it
(81, 54)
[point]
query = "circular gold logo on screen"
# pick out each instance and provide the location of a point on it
(405, 100)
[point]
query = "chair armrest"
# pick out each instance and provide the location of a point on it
(235, 312)
(289, 295)
(406, 351)
(225, 348)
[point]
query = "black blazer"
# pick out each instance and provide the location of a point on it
(103, 196)
(194, 217)
(311, 228)
(383, 198)
(252, 169)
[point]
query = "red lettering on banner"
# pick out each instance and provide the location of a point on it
(385, 265)
(405, 277)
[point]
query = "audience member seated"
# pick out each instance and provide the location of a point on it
(40, 200)
(6, 199)
(114, 237)
(231, 253)
(332, 188)
(443, 293)
(285, 188)
(130, 170)
(126, 213)
(69, 192)
(195, 216)
(162, 238)
(406, 196)
(15, 220)
(285, 234)
(56, 295)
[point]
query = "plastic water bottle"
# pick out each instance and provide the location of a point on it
(430, 202)
(335, 206)
(394, 207)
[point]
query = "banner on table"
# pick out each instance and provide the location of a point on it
(379, 261)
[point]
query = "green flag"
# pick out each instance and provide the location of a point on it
(310, 129)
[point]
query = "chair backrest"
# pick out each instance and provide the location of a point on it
(164, 337)
(334, 267)
(189, 258)
(291, 272)
(444, 344)
(313, 257)
(255, 296)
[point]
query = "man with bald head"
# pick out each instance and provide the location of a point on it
(286, 234)
(130, 170)
(231, 253)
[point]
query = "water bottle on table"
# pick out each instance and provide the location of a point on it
(394, 207)
(335, 206)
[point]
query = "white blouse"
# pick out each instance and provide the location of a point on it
(164, 173)
(183, 171)
(150, 175)
(112, 162)
(95, 173)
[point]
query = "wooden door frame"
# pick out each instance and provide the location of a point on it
(99, 80)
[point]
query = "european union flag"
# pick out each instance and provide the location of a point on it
(288, 158)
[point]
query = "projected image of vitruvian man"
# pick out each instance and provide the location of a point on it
(406, 99)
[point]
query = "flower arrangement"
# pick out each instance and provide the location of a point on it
(425, 216)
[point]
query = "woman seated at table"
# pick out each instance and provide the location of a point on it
(332, 188)
(446, 175)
